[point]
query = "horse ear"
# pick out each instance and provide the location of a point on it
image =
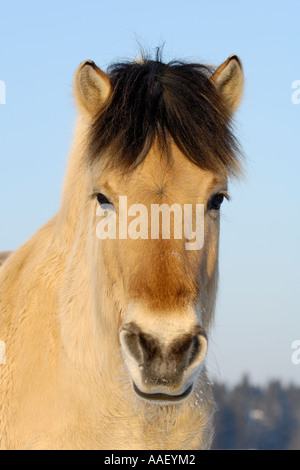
(92, 88)
(229, 80)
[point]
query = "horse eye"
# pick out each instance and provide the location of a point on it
(102, 200)
(216, 202)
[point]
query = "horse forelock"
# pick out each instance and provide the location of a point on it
(168, 102)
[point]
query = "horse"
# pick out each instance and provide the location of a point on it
(106, 338)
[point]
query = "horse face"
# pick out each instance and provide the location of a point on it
(164, 293)
(163, 289)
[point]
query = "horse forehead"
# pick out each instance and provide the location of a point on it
(160, 174)
(163, 171)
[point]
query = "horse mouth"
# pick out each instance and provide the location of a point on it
(163, 397)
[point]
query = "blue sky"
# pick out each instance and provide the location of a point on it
(42, 43)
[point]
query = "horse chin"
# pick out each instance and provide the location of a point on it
(163, 398)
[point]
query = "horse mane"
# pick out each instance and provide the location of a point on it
(174, 101)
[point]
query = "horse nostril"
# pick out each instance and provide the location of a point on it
(198, 353)
(194, 350)
(149, 346)
(189, 349)
(141, 346)
(129, 338)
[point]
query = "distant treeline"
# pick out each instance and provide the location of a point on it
(250, 417)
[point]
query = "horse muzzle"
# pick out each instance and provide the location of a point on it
(163, 371)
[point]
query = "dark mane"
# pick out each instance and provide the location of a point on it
(169, 101)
